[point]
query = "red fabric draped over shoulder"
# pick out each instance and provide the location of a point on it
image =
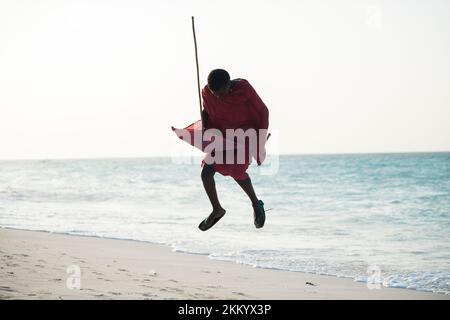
(243, 109)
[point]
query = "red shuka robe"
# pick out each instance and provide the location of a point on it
(241, 108)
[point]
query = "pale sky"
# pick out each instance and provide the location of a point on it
(81, 79)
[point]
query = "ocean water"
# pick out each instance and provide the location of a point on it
(377, 217)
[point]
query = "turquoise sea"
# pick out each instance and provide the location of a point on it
(342, 215)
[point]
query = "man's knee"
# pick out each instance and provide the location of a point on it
(207, 171)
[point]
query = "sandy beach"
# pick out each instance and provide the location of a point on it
(41, 265)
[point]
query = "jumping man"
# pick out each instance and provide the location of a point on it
(231, 104)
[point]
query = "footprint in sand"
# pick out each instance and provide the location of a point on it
(12, 264)
(107, 280)
(21, 255)
(214, 287)
(8, 289)
(310, 291)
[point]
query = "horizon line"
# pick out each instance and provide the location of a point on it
(181, 156)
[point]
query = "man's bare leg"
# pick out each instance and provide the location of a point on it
(210, 187)
(247, 186)
(259, 214)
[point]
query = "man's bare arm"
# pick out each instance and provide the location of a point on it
(204, 119)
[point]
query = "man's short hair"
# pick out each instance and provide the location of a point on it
(217, 79)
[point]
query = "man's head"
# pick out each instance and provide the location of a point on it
(219, 82)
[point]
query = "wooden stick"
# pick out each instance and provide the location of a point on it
(198, 72)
